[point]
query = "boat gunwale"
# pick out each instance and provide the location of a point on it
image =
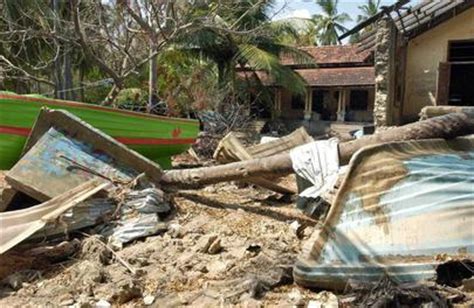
(66, 103)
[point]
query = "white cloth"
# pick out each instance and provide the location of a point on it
(317, 162)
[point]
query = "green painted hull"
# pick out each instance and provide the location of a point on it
(155, 137)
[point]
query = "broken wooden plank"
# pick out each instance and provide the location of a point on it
(231, 149)
(225, 152)
(68, 152)
(19, 225)
(445, 127)
(284, 144)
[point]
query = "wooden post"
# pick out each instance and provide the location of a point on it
(308, 110)
(341, 107)
(277, 104)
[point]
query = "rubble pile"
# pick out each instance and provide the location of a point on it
(109, 228)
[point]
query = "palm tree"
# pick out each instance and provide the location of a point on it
(330, 22)
(367, 10)
(243, 35)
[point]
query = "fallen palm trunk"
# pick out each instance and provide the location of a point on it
(436, 111)
(445, 127)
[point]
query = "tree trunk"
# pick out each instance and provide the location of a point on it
(68, 79)
(81, 83)
(153, 79)
(113, 93)
(447, 126)
(58, 76)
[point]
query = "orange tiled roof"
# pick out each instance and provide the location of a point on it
(326, 77)
(338, 76)
(337, 54)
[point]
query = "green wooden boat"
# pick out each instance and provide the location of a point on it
(155, 137)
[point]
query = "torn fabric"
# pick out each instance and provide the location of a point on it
(318, 163)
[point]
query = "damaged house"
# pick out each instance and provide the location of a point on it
(407, 57)
(339, 89)
(424, 56)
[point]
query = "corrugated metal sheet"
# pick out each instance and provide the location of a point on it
(400, 206)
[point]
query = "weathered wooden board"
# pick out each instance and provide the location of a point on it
(21, 224)
(230, 149)
(63, 152)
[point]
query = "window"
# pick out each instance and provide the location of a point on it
(461, 51)
(359, 100)
(456, 77)
(297, 102)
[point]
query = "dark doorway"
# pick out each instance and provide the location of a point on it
(461, 85)
(297, 102)
(461, 73)
(319, 105)
(359, 100)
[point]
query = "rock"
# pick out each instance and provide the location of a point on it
(103, 304)
(215, 247)
(205, 242)
(324, 299)
(294, 226)
(21, 279)
(148, 300)
(67, 302)
(468, 284)
(125, 291)
(175, 230)
(295, 297)
(216, 267)
(88, 273)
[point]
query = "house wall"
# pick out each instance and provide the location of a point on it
(424, 53)
(331, 103)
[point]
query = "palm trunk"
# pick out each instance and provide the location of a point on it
(447, 126)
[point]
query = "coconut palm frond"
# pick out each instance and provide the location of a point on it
(261, 60)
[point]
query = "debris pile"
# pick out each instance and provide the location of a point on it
(110, 227)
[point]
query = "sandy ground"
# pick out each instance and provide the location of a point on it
(225, 246)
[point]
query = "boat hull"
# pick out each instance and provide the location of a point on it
(155, 137)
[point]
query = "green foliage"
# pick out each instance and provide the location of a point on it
(132, 97)
(367, 10)
(330, 23)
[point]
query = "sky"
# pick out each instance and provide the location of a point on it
(306, 8)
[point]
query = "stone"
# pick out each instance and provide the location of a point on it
(295, 297)
(67, 302)
(103, 304)
(205, 242)
(175, 230)
(89, 273)
(324, 299)
(216, 267)
(468, 284)
(125, 291)
(215, 247)
(148, 300)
